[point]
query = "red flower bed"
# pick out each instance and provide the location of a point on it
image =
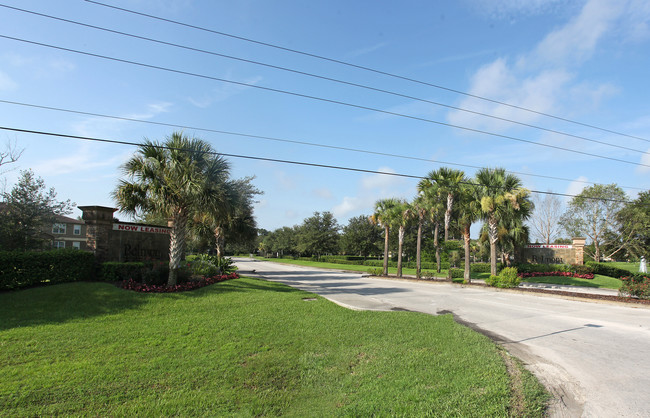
(557, 273)
(190, 285)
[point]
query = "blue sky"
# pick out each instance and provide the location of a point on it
(584, 61)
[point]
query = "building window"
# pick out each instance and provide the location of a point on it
(59, 244)
(76, 245)
(58, 229)
(77, 230)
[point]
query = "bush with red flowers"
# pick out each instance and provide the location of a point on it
(557, 273)
(181, 287)
(635, 285)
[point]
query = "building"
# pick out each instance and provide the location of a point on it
(66, 233)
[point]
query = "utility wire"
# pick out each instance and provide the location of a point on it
(275, 160)
(321, 77)
(290, 141)
(239, 83)
(320, 57)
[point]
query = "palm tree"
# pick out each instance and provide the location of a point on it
(501, 195)
(468, 208)
(419, 209)
(430, 192)
(384, 216)
(448, 181)
(401, 219)
(176, 178)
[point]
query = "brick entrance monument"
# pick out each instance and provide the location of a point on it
(112, 240)
(555, 253)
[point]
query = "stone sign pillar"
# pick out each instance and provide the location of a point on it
(99, 223)
(579, 246)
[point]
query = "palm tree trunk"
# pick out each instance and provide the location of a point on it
(399, 253)
(437, 246)
(386, 250)
(418, 257)
(467, 275)
(176, 246)
(450, 203)
(219, 241)
(493, 237)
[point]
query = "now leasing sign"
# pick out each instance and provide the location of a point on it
(141, 228)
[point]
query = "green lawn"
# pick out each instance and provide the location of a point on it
(349, 267)
(598, 281)
(244, 347)
(631, 267)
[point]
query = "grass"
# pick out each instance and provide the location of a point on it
(631, 267)
(244, 347)
(349, 267)
(598, 281)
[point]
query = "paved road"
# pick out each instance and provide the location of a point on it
(594, 357)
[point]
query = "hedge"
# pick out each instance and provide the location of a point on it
(607, 270)
(23, 269)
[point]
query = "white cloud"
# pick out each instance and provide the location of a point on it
(512, 9)
(576, 186)
(372, 188)
(366, 50)
(97, 126)
(645, 159)
(381, 181)
(223, 92)
(287, 182)
(86, 158)
(6, 83)
(544, 78)
(323, 193)
(577, 40)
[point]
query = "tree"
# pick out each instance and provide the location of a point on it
(384, 216)
(28, 208)
(545, 220)
(231, 218)
(400, 219)
(469, 211)
(420, 208)
(594, 213)
(501, 194)
(177, 178)
(430, 192)
(361, 237)
(318, 234)
(448, 180)
(634, 220)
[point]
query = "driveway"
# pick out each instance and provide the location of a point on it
(594, 357)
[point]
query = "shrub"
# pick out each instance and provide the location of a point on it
(507, 278)
(22, 269)
(113, 271)
(606, 270)
(492, 280)
(583, 269)
(428, 275)
(454, 273)
(375, 272)
(484, 267)
(635, 285)
(181, 287)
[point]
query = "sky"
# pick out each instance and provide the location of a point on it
(580, 66)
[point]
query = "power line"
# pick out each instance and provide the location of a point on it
(348, 83)
(239, 83)
(275, 160)
(290, 141)
(320, 57)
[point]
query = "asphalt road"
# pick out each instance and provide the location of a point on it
(594, 357)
